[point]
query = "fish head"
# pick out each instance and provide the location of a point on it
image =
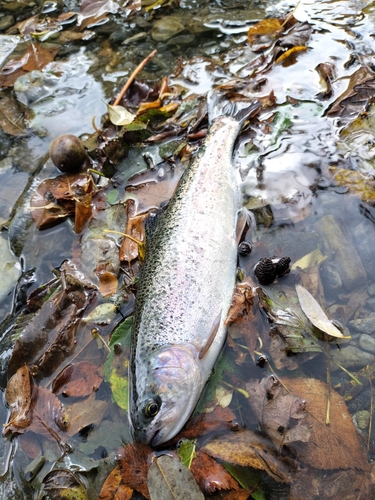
(164, 394)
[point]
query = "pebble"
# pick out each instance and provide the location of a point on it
(166, 28)
(351, 357)
(367, 343)
(362, 419)
(363, 325)
(6, 22)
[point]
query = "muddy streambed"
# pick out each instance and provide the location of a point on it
(288, 412)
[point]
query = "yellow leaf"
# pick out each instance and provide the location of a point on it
(268, 28)
(288, 53)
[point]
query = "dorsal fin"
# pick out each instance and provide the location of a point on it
(211, 337)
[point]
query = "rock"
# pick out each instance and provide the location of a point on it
(363, 325)
(342, 251)
(362, 419)
(367, 343)
(165, 28)
(351, 357)
(6, 22)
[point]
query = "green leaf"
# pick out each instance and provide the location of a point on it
(120, 389)
(316, 314)
(248, 478)
(112, 196)
(120, 115)
(122, 333)
(186, 451)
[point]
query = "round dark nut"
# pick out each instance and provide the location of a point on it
(68, 153)
(245, 248)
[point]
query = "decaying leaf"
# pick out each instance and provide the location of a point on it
(77, 380)
(287, 54)
(354, 99)
(210, 475)
(202, 423)
(358, 183)
(169, 479)
(267, 30)
(327, 73)
(18, 397)
(89, 412)
(316, 314)
(113, 489)
(294, 414)
(63, 196)
(134, 467)
(247, 448)
(62, 484)
(11, 117)
(130, 247)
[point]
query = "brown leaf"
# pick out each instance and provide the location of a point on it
(40, 55)
(202, 423)
(134, 467)
(327, 73)
(89, 412)
(266, 30)
(247, 448)
(18, 397)
(77, 380)
(11, 117)
(311, 484)
(354, 99)
(304, 429)
(113, 489)
(210, 475)
(238, 495)
(129, 250)
(358, 183)
(83, 213)
(49, 417)
(108, 283)
(242, 300)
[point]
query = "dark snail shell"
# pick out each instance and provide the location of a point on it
(245, 248)
(265, 271)
(282, 266)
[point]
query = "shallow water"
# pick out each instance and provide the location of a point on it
(285, 179)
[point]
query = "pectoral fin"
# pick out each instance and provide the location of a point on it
(211, 337)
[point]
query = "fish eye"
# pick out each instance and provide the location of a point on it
(152, 408)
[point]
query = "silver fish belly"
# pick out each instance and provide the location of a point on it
(185, 291)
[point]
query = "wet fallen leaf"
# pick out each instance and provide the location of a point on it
(89, 412)
(309, 484)
(358, 183)
(249, 479)
(119, 115)
(49, 335)
(354, 99)
(210, 475)
(11, 117)
(309, 260)
(267, 30)
(62, 484)
(103, 314)
(169, 479)
(129, 250)
(186, 451)
(242, 300)
(294, 414)
(49, 417)
(113, 489)
(316, 314)
(248, 448)
(18, 397)
(40, 54)
(133, 460)
(77, 380)
(63, 196)
(327, 73)
(293, 51)
(202, 423)
(108, 283)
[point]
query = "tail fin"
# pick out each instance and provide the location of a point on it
(219, 104)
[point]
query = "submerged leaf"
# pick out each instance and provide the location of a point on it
(169, 479)
(361, 184)
(18, 397)
(62, 484)
(316, 314)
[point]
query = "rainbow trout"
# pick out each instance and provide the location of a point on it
(186, 285)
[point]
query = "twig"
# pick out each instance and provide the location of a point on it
(132, 77)
(371, 415)
(328, 418)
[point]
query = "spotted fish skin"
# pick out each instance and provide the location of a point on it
(185, 290)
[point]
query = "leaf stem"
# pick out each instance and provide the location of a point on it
(132, 77)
